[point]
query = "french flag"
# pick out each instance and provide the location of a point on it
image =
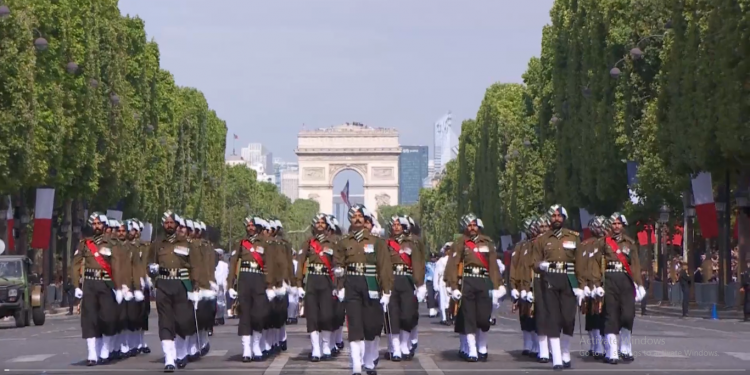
(45, 204)
(585, 218)
(345, 194)
(705, 208)
(9, 223)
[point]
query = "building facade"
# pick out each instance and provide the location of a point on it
(256, 153)
(445, 147)
(412, 171)
(289, 184)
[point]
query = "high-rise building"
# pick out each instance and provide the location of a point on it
(290, 184)
(445, 140)
(256, 153)
(412, 170)
(279, 166)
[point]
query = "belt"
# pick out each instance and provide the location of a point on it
(561, 267)
(471, 271)
(95, 274)
(317, 269)
(250, 267)
(361, 269)
(402, 270)
(615, 266)
(174, 273)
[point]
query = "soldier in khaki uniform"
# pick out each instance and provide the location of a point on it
(172, 260)
(283, 285)
(252, 276)
(408, 280)
(136, 321)
(534, 285)
(592, 307)
(519, 279)
(94, 275)
(315, 283)
(415, 232)
(365, 261)
(481, 285)
(121, 346)
(556, 257)
(209, 288)
(339, 308)
(623, 287)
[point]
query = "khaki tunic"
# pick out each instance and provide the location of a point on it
(285, 253)
(567, 248)
(139, 251)
(588, 246)
(111, 253)
(462, 256)
(413, 250)
(349, 251)
(307, 256)
(209, 261)
(175, 253)
(518, 278)
(270, 261)
(628, 247)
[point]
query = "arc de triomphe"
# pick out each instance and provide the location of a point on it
(371, 152)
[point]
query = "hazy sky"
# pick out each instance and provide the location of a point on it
(269, 66)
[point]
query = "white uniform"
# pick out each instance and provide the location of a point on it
(438, 282)
(221, 274)
(293, 307)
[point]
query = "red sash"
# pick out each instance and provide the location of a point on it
(397, 247)
(471, 245)
(620, 256)
(319, 252)
(258, 258)
(99, 259)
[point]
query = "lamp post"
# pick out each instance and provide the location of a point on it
(663, 222)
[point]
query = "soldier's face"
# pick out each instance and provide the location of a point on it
(472, 228)
(556, 220)
(121, 233)
(368, 225)
(169, 225)
(133, 234)
(321, 225)
(358, 220)
(108, 230)
(543, 228)
(183, 231)
(98, 226)
(396, 227)
(617, 226)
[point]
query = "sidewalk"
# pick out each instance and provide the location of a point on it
(693, 311)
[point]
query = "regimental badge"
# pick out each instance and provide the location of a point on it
(173, 272)
(318, 267)
(626, 250)
(400, 267)
(360, 268)
(369, 248)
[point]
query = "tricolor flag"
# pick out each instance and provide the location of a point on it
(9, 223)
(705, 208)
(345, 194)
(45, 204)
(632, 181)
(585, 218)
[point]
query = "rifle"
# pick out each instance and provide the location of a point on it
(460, 273)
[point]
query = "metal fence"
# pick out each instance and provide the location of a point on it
(706, 294)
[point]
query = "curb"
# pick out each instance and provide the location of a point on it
(693, 313)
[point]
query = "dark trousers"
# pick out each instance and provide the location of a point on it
(364, 314)
(685, 299)
(538, 287)
(402, 307)
(134, 311)
(339, 313)
(476, 306)
(319, 303)
(99, 312)
(254, 307)
(146, 309)
(560, 306)
(176, 311)
(619, 303)
(528, 323)
(431, 300)
(206, 313)
(643, 306)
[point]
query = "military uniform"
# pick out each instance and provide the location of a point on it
(415, 233)
(520, 277)
(140, 309)
(206, 313)
(339, 308)
(279, 306)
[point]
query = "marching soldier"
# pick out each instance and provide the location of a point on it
(481, 285)
(557, 256)
(206, 312)
(221, 274)
(121, 347)
(281, 304)
(539, 228)
(592, 307)
(365, 260)
(95, 267)
(519, 278)
(339, 310)
(172, 266)
(140, 308)
(623, 287)
(252, 276)
(315, 271)
(408, 280)
(415, 232)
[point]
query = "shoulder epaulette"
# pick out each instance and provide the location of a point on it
(575, 233)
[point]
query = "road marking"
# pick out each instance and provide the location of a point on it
(31, 358)
(429, 365)
(741, 355)
(217, 353)
(277, 365)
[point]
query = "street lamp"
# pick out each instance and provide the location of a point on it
(40, 43)
(4, 11)
(72, 67)
(663, 222)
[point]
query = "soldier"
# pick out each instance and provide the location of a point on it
(315, 271)
(95, 267)
(206, 312)
(221, 274)
(623, 287)
(408, 280)
(293, 309)
(121, 348)
(558, 257)
(440, 286)
(139, 310)
(339, 308)
(365, 260)
(592, 308)
(518, 280)
(539, 228)
(252, 272)
(481, 285)
(415, 232)
(281, 304)
(176, 299)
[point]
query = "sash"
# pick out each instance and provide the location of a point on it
(397, 247)
(620, 256)
(471, 245)
(319, 252)
(258, 258)
(99, 259)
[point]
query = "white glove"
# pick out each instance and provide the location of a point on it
(285, 287)
(384, 301)
(232, 294)
(143, 283)
(340, 294)
(207, 294)
(194, 296)
(301, 292)
(214, 286)
(544, 266)
(127, 296)
(501, 266)
(579, 295)
(640, 294)
(149, 283)
(599, 291)
(586, 291)
(338, 272)
(138, 295)
(270, 294)
(118, 296)
(421, 293)
(523, 295)
(153, 268)
(514, 294)
(448, 290)
(530, 296)
(499, 293)
(456, 294)
(78, 293)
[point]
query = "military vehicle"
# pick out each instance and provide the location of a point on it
(19, 298)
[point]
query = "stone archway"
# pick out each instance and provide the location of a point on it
(371, 152)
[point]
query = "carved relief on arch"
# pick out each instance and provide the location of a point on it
(314, 197)
(383, 200)
(334, 169)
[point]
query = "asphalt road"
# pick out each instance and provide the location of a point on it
(661, 344)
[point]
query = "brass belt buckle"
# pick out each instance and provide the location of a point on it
(318, 268)
(253, 265)
(618, 266)
(475, 270)
(173, 273)
(360, 268)
(559, 265)
(400, 268)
